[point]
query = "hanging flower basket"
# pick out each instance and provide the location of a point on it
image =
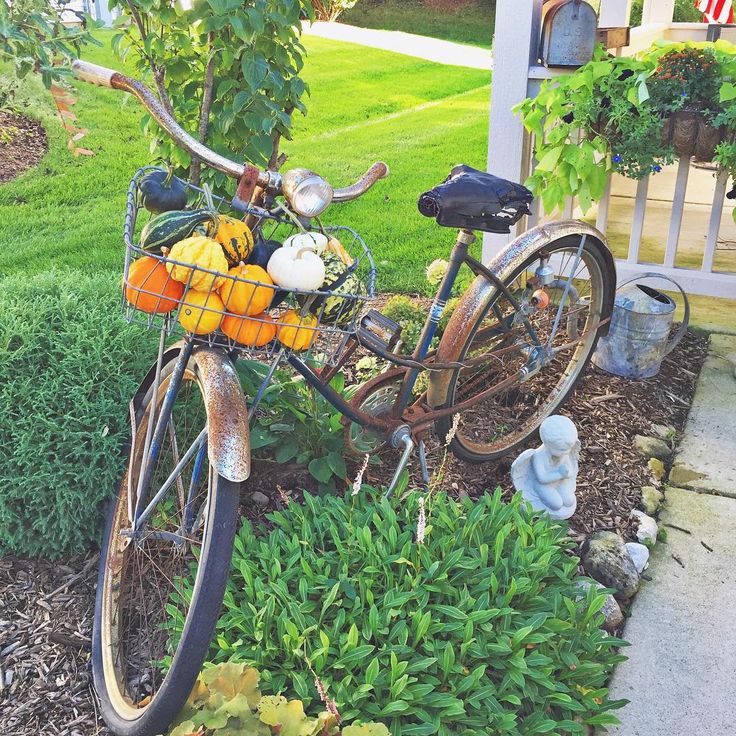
(690, 134)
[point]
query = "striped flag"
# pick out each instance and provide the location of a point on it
(715, 11)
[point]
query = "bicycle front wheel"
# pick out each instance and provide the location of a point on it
(499, 346)
(160, 587)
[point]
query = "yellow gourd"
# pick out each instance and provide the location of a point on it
(235, 238)
(244, 298)
(297, 332)
(201, 312)
(201, 252)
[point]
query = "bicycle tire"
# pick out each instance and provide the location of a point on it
(221, 516)
(597, 255)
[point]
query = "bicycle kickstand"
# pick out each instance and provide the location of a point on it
(402, 438)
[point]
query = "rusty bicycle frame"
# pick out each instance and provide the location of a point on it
(225, 438)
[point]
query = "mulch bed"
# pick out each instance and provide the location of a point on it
(46, 611)
(46, 608)
(23, 144)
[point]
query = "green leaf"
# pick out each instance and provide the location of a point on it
(550, 159)
(320, 469)
(254, 69)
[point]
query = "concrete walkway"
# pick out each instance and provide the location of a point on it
(421, 47)
(681, 672)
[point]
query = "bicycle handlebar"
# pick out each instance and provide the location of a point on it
(101, 76)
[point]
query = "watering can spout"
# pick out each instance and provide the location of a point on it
(639, 335)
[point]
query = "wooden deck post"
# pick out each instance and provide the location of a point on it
(614, 13)
(515, 49)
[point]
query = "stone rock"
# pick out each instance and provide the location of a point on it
(663, 431)
(639, 553)
(656, 467)
(260, 499)
(651, 499)
(606, 560)
(652, 447)
(611, 609)
(648, 529)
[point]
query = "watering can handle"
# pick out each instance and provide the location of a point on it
(675, 341)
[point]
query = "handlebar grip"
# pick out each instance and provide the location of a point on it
(93, 73)
(378, 171)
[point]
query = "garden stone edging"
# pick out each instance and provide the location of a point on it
(606, 559)
(652, 447)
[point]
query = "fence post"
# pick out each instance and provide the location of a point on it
(658, 11)
(515, 49)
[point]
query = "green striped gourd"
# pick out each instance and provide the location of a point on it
(338, 309)
(168, 228)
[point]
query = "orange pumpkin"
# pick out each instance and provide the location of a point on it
(244, 298)
(297, 332)
(150, 288)
(252, 332)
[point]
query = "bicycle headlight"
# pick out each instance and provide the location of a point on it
(308, 193)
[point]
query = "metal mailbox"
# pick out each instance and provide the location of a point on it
(569, 32)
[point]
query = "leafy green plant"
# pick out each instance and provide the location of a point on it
(609, 115)
(33, 38)
(226, 700)
(479, 628)
(228, 70)
(295, 423)
(68, 367)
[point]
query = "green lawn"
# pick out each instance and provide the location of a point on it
(470, 22)
(420, 117)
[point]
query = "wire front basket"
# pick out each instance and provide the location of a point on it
(237, 307)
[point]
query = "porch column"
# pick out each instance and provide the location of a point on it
(658, 11)
(515, 49)
(614, 13)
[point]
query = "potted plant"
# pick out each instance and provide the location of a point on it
(631, 115)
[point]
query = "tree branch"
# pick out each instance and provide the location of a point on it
(204, 110)
(159, 74)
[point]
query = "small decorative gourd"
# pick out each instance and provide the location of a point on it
(201, 312)
(262, 252)
(202, 252)
(251, 332)
(339, 309)
(168, 228)
(246, 298)
(297, 332)
(296, 268)
(235, 237)
(161, 191)
(336, 247)
(312, 240)
(149, 287)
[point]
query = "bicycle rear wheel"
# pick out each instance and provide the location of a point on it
(160, 589)
(499, 346)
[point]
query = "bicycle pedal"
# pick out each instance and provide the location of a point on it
(378, 328)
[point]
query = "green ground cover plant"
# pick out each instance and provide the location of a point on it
(68, 367)
(478, 628)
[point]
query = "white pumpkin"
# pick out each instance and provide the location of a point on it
(296, 268)
(314, 241)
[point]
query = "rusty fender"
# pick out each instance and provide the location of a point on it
(228, 436)
(474, 302)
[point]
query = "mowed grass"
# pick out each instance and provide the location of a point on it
(419, 117)
(463, 22)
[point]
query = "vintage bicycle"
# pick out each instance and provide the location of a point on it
(514, 348)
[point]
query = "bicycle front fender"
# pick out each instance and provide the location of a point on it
(228, 434)
(473, 303)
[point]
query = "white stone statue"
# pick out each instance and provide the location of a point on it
(547, 476)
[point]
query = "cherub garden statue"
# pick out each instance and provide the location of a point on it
(547, 476)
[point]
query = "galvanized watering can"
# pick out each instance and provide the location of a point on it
(637, 339)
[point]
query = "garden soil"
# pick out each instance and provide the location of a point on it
(23, 144)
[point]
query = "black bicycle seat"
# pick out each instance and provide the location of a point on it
(476, 200)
